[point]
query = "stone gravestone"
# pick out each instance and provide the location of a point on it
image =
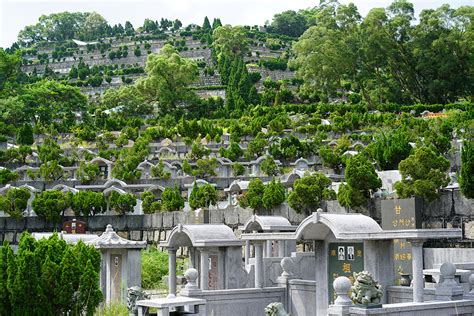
(344, 260)
(402, 214)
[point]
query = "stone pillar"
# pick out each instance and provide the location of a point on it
(204, 269)
(342, 304)
(379, 264)
(192, 258)
(449, 289)
(258, 264)
(321, 272)
(281, 248)
(247, 252)
(109, 171)
(221, 269)
(172, 271)
(269, 249)
(417, 264)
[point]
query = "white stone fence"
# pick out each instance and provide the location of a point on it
(446, 299)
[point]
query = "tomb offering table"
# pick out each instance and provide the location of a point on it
(433, 277)
(184, 305)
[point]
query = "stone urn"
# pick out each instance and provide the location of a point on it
(405, 279)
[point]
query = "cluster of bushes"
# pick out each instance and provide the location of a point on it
(49, 277)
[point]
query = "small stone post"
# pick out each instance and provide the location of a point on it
(449, 289)
(191, 275)
(283, 280)
(342, 304)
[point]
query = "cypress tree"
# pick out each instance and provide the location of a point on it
(5, 252)
(466, 181)
(69, 281)
(89, 293)
(206, 25)
(25, 135)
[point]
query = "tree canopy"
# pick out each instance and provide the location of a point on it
(424, 173)
(169, 77)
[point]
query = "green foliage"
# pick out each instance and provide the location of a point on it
(424, 173)
(15, 201)
(414, 58)
(48, 100)
(159, 172)
(169, 77)
(203, 196)
(113, 309)
(155, 267)
(51, 170)
(309, 191)
(122, 203)
(7, 176)
(273, 195)
(198, 151)
(238, 169)
(288, 23)
(187, 169)
(331, 158)
(233, 152)
(51, 204)
(230, 41)
(126, 167)
(253, 198)
(88, 172)
(25, 135)
(269, 166)
(49, 151)
(466, 179)
(63, 278)
(206, 168)
(389, 149)
(172, 200)
(88, 203)
(361, 179)
(149, 204)
(257, 146)
(129, 99)
(9, 69)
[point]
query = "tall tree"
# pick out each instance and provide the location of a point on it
(309, 191)
(289, 23)
(206, 25)
(15, 201)
(361, 180)
(274, 194)
(51, 204)
(466, 179)
(424, 173)
(230, 40)
(169, 77)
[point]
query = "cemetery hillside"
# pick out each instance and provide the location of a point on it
(139, 156)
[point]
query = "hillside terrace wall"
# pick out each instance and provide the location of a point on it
(155, 227)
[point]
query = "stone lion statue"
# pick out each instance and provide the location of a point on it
(135, 294)
(275, 309)
(365, 290)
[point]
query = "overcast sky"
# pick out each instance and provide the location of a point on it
(16, 14)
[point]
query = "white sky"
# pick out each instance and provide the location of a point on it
(16, 14)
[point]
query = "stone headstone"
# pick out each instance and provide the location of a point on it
(401, 214)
